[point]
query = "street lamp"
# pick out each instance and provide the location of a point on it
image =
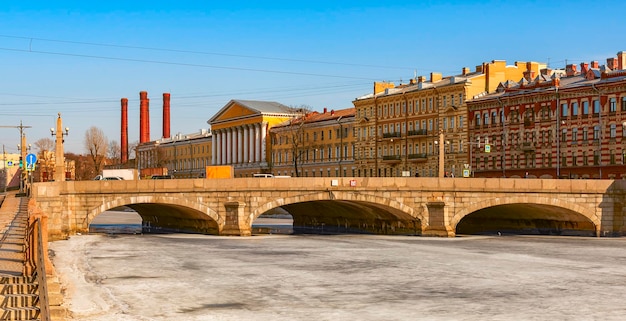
(23, 151)
(59, 164)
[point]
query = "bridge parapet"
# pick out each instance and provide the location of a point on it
(439, 203)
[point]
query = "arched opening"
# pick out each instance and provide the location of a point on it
(153, 218)
(344, 217)
(118, 220)
(526, 219)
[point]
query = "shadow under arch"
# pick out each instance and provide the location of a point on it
(165, 214)
(345, 213)
(526, 215)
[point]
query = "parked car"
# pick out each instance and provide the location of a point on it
(108, 178)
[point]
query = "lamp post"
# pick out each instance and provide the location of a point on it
(23, 151)
(59, 164)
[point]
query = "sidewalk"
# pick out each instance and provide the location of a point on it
(13, 234)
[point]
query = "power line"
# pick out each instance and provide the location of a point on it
(203, 53)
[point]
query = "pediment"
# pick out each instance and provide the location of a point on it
(231, 111)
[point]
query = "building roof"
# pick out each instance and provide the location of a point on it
(314, 117)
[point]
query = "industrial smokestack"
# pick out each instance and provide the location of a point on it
(144, 117)
(124, 132)
(166, 115)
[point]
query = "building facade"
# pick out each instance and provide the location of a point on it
(315, 145)
(402, 130)
(564, 123)
(241, 134)
(182, 155)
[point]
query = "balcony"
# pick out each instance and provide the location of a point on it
(418, 132)
(528, 146)
(418, 157)
(392, 135)
(392, 159)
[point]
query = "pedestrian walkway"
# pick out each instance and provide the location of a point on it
(13, 232)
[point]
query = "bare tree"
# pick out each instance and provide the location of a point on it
(44, 170)
(96, 144)
(115, 152)
(295, 135)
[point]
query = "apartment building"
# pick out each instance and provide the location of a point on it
(315, 145)
(561, 123)
(421, 128)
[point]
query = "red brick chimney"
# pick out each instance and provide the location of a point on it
(570, 70)
(166, 115)
(621, 60)
(144, 117)
(584, 67)
(611, 63)
(595, 64)
(124, 132)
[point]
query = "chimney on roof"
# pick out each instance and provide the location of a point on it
(421, 79)
(332, 112)
(546, 72)
(611, 63)
(435, 76)
(465, 71)
(584, 67)
(412, 81)
(529, 75)
(621, 60)
(325, 110)
(570, 70)
(595, 64)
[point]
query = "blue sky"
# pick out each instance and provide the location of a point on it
(81, 58)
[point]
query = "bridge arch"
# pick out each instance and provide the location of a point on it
(189, 214)
(352, 211)
(550, 204)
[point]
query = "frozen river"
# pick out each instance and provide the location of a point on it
(347, 277)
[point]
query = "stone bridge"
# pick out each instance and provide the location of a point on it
(393, 205)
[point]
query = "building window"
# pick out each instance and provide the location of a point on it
(477, 119)
(564, 110)
(596, 132)
(624, 103)
(564, 135)
(574, 135)
(585, 108)
(613, 128)
(596, 106)
(585, 135)
(493, 117)
(460, 121)
(613, 105)
(574, 109)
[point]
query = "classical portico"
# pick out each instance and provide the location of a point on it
(240, 134)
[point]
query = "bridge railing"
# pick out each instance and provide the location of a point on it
(34, 265)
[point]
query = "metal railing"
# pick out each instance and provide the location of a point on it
(34, 266)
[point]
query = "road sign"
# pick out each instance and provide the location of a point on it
(31, 159)
(466, 173)
(9, 163)
(487, 148)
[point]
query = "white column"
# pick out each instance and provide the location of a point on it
(239, 145)
(246, 143)
(252, 144)
(213, 148)
(228, 142)
(222, 147)
(257, 141)
(263, 142)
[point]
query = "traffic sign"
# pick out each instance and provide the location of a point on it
(30, 160)
(9, 163)
(466, 173)
(487, 148)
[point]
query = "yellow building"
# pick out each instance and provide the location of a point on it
(315, 145)
(399, 128)
(182, 155)
(240, 134)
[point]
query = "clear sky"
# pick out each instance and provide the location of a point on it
(80, 58)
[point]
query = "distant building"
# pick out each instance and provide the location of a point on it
(315, 145)
(241, 134)
(560, 123)
(398, 128)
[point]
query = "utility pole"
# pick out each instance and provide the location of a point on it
(21, 127)
(4, 166)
